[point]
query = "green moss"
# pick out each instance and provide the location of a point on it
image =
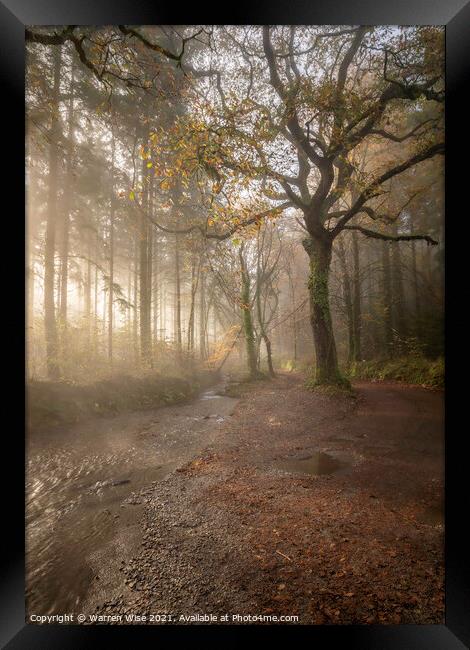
(328, 385)
(413, 369)
(318, 288)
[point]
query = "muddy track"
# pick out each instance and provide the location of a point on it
(326, 508)
(80, 491)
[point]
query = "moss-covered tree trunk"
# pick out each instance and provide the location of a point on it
(319, 251)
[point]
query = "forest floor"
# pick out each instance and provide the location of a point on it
(329, 508)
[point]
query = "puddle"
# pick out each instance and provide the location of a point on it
(210, 394)
(314, 464)
(433, 516)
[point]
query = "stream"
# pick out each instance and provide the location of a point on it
(79, 485)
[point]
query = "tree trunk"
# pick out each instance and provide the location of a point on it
(387, 298)
(95, 319)
(398, 292)
(155, 292)
(111, 256)
(144, 303)
(150, 267)
(104, 316)
(202, 311)
(32, 232)
(64, 253)
(178, 335)
(145, 335)
(267, 342)
(88, 292)
(50, 324)
(414, 273)
(356, 303)
(319, 252)
(263, 333)
(247, 319)
(294, 316)
(347, 299)
(194, 283)
(135, 338)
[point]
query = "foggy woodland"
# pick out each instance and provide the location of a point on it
(270, 195)
(235, 343)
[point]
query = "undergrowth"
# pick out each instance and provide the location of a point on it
(414, 369)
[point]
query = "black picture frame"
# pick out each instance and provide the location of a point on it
(455, 15)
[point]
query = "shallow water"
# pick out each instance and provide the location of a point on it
(433, 515)
(79, 478)
(313, 464)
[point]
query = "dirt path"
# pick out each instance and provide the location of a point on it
(327, 508)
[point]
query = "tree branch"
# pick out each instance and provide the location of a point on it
(292, 120)
(396, 138)
(372, 190)
(257, 218)
(378, 235)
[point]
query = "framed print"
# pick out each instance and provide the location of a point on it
(242, 398)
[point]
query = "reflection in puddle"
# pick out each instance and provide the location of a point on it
(314, 464)
(210, 394)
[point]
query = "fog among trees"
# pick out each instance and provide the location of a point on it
(235, 356)
(260, 197)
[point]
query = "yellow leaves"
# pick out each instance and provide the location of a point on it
(217, 187)
(149, 165)
(143, 153)
(132, 195)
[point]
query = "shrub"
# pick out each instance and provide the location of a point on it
(413, 369)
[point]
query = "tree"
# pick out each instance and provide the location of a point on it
(50, 323)
(223, 142)
(297, 146)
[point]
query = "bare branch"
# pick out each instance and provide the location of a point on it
(378, 235)
(292, 120)
(373, 189)
(397, 138)
(128, 31)
(257, 218)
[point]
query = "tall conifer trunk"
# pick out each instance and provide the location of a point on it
(50, 325)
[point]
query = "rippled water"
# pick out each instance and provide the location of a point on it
(78, 478)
